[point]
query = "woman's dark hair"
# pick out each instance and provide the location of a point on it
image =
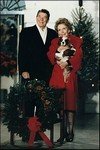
(44, 11)
(63, 21)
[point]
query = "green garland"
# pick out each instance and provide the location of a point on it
(45, 97)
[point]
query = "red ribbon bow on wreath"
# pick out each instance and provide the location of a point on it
(35, 127)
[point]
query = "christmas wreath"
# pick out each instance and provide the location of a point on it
(45, 97)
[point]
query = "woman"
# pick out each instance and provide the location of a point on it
(63, 28)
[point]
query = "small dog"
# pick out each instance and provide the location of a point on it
(65, 54)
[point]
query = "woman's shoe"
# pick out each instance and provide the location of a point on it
(70, 137)
(60, 140)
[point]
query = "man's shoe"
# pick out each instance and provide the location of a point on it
(70, 137)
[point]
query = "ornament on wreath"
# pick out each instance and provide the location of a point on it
(48, 96)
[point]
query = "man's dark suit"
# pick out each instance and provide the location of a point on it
(32, 56)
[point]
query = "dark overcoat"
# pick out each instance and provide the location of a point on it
(32, 56)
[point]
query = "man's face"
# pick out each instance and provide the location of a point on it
(42, 19)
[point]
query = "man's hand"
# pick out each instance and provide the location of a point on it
(62, 64)
(25, 75)
(58, 58)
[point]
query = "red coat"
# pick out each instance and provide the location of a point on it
(57, 79)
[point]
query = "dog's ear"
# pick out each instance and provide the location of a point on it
(60, 40)
(68, 42)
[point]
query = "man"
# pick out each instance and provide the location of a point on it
(32, 58)
(33, 47)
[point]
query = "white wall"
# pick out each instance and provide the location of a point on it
(60, 9)
(92, 7)
(57, 9)
(92, 103)
(6, 82)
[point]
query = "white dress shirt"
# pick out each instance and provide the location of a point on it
(43, 33)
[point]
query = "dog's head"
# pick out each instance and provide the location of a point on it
(64, 41)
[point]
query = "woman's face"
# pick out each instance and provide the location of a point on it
(63, 30)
